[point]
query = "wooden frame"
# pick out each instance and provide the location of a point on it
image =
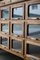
(16, 6)
(24, 21)
(27, 4)
(4, 22)
(14, 51)
(2, 46)
(20, 23)
(5, 7)
(32, 42)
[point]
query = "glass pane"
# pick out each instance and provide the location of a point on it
(34, 31)
(5, 27)
(34, 50)
(4, 41)
(17, 12)
(17, 45)
(34, 10)
(5, 13)
(17, 29)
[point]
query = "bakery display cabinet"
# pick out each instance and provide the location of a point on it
(20, 28)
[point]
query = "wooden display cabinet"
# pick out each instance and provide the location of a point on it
(17, 28)
(20, 28)
(16, 46)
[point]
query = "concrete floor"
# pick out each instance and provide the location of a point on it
(7, 56)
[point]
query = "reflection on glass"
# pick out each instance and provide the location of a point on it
(5, 13)
(34, 10)
(17, 29)
(17, 12)
(34, 50)
(34, 30)
(17, 45)
(5, 27)
(4, 41)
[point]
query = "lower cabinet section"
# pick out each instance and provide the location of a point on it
(26, 49)
(31, 57)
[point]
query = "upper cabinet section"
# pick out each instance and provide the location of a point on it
(21, 11)
(17, 11)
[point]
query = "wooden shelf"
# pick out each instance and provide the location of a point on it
(34, 21)
(33, 42)
(32, 57)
